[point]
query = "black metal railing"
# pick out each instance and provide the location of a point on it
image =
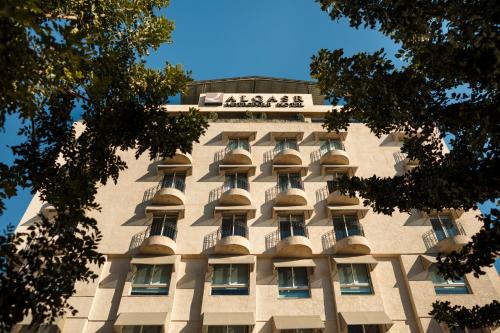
(432, 237)
(272, 239)
(168, 229)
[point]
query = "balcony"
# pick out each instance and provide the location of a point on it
(446, 240)
(237, 152)
(333, 153)
(236, 193)
(287, 153)
(170, 191)
(232, 239)
(336, 198)
(291, 242)
(349, 240)
(291, 193)
(178, 159)
(158, 239)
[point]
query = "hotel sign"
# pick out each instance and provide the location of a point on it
(258, 101)
(255, 100)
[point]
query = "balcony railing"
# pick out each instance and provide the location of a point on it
(432, 237)
(333, 236)
(167, 229)
(232, 145)
(297, 229)
(330, 146)
(292, 183)
(239, 229)
(280, 146)
(239, 183)
(175, 182)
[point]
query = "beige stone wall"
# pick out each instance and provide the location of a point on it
(401, 287)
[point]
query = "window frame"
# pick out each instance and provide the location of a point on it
(234, 221)
(448, 284)
(345, 228)
(355, 284)
(290, 184)
(230, 286)
(228, 185)
(294, 287)
(364, 328)
(226, 327)
(150, 285)
(291, 223)
(166, 219)
(442, 226)
(175, 177)
(236, 145)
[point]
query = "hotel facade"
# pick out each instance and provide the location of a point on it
(248, 234)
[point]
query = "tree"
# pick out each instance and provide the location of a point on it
(58, 59)
(448, 79)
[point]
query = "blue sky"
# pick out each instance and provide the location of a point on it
(226, 38)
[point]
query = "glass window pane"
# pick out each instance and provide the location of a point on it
(216, 329)
(236, 329)
(355, 329)
(151, 329)
(448, 225)
(361, 274)
(161, 274)
(438, 229)
(221, 274)
(345, 274)
(239, 274)
(131, 329)
(285, 277)
(227, 226)
(143, 274)
(372, 329)
(300, 275)
(339, 227)
(285, 229)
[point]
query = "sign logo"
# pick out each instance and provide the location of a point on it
(259, 102)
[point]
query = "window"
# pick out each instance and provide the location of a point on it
(363, 329)
(335, 176)
(443, 226)
(329, 145)
(293, 282)
(230, 279)
(164, 225)
(283, 144)
(298, 330)
(292, 225)
(346, 225)
(289, 180)
(234, 225)
(228, 329)
(152, 280)
(175, 180)
(236, 180)
(354, 279)
(142, 329)
(444, 286)
(235, 143)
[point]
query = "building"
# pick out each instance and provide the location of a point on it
(248, 233)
